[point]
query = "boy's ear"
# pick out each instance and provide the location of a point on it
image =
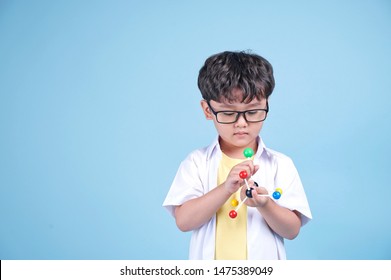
(205, 108)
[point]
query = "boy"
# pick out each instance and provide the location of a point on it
(235, 87)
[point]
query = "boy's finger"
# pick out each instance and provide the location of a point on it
(256, 168)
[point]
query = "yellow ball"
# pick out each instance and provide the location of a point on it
(278, 190)
(234, 202)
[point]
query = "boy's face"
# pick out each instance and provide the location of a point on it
(235, 137)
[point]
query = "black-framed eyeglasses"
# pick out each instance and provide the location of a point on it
(251, 116)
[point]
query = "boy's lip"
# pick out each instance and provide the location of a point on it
(240, 133)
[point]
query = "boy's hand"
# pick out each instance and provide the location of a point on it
(234, 182)
(255, 201)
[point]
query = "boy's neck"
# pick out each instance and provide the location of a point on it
(234, 151)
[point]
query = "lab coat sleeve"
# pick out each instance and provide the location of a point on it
(293, 197)
(187, 183)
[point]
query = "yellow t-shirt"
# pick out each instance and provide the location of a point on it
(231, 234)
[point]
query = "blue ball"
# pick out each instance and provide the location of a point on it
(276, 195)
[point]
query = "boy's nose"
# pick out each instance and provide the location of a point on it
(241, 120)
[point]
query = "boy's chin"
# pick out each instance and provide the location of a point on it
(240, 143)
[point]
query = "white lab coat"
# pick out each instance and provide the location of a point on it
(197, 175)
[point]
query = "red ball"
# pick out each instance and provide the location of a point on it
(233, 214)
(243, 174)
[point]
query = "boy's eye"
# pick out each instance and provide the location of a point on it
(252, 112)
(228, 114)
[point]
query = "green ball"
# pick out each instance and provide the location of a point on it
(248, 152)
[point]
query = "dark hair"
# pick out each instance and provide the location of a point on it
(226, 71)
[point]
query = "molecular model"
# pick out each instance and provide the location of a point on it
(248, 153)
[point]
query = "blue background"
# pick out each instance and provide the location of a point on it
(99, 105)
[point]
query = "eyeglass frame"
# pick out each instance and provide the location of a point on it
(239, 113)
